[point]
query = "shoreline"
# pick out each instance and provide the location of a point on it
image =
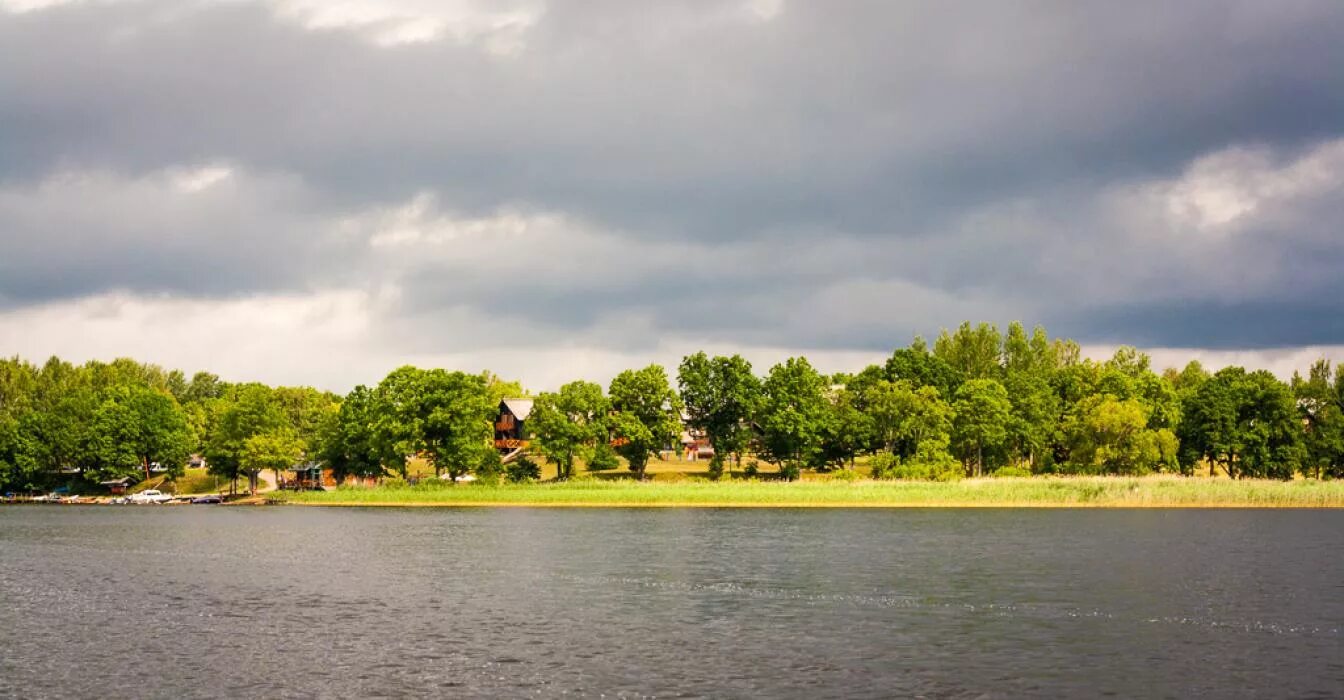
(1006, 505)
(1016, 493)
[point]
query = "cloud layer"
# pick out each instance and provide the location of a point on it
(556, 189)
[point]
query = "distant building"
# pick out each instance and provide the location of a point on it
(118, 486)
(511, 431)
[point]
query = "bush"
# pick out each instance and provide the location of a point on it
(932, 467)
(844, 475)
(1003, 472)
(522, 470)
(716, 467)
(752, 469)
(883, 465)
(603, 459)
(490, 468)
(790, 471)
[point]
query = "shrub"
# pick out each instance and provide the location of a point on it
(490, 468)
(844, 475)
(1011, 471)
(752, 469)
(883, 465)
(522, 470)
(929, 467)
(716, 467)
(603, 459)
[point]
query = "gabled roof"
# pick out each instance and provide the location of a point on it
(520, 408)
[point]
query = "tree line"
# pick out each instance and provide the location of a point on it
(977, 402)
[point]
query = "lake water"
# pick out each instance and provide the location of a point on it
(302, 602)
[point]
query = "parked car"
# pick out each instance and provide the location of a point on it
(154, 496)
(207, 499)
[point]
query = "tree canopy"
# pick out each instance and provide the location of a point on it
(978, 402)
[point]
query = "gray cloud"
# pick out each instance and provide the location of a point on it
(838, 175)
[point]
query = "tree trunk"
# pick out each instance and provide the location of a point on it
(145, 461)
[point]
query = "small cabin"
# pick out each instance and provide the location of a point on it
(307, 476)
(511, 425)
(118, 487)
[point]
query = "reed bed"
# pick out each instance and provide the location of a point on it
(1026, 492)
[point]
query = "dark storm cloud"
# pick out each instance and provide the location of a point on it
(838, 175)
(1207, 324)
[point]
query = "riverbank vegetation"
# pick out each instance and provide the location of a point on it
(977, 403)
(1130, 492)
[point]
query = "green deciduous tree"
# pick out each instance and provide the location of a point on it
(244, 412)
(1035, 415)
(349, 444)
(846, 431)
(1112, 436)
(443, 416)
(136, 426)
(276, 450)
(983, 416)
(569, 423)
(919, 367)
(1318, 402)
(721, 397)
(1245, 422)
(793, 415)
(646, 414)
(973, 352)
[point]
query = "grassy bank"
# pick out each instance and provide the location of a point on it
(1115, 492)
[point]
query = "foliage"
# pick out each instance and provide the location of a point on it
(136, 426)
(1017, 402)
(522, 470)
(569, 423)
(1112, 436)
(490, 468)
(721, 396)
(646, 415)
(983, 417)
(603, 458)
(927, 465)
(973, 352)
(793, 415)
(1245, 422)
(443, 416)
(244, 412)
(845, 431)
(1320, 403)
(349, 444)
(920, 368)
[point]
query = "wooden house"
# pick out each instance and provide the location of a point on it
(308, 476)
(118, 486)
(695, 445)
(511, 431)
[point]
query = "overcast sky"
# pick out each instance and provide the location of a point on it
(317, 191)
